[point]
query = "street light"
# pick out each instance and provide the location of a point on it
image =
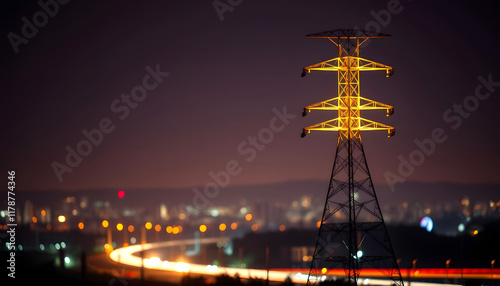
(492, 265)
(105, 224)
(414, 264)
(448, 269)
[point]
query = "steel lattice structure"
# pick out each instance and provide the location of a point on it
(352, 234)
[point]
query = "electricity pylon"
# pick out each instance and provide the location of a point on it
(352, 234)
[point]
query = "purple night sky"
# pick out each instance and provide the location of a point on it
(224, 80)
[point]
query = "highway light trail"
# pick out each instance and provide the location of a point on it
(126, 256)
(129, 256)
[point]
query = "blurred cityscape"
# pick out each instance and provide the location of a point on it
(99, 221)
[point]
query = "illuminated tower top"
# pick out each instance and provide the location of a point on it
(349, 102)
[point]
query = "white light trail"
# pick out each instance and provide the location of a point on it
(125, 256)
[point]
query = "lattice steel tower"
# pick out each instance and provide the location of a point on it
(352, 234)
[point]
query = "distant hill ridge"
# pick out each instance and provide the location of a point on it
(284, 192)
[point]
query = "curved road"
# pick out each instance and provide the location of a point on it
(173, 271)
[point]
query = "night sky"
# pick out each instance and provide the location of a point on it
(227, 72)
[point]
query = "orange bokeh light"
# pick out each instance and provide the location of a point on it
(222, 227)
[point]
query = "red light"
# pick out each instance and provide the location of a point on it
(121, 194)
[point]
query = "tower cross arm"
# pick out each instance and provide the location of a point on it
(329, 65)
(369, 65)
(368, 125)
(368, 104)
(330, 104)
(338, 123)
(330, 125)
(348, 63)
(334, 104)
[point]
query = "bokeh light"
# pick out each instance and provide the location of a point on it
(61, 218)
(175, 230)
(427, 223)
(222, 227)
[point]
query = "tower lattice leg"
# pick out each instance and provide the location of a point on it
(352, 234)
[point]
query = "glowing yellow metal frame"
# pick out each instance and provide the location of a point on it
(349, 103)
